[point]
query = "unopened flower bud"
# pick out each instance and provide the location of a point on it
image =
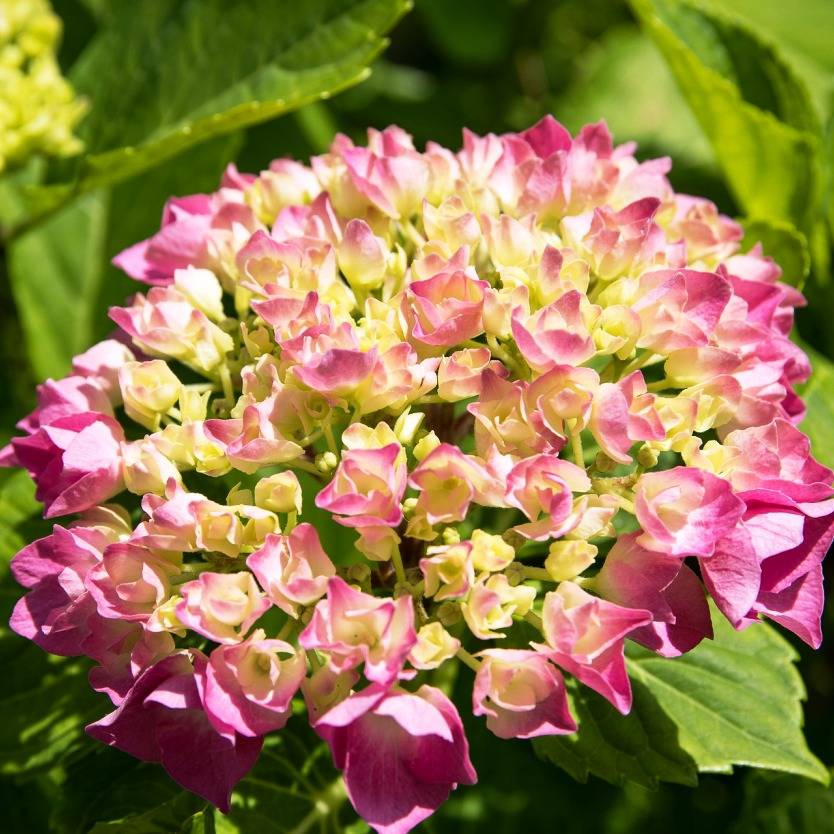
(515, 573)
(257, 341)
(149, 389)
(146, 469)
(513, 538)
(647, 457)
(434, 646)
(358, 574)
(362, 256)
(426, 445)
(202, 289)
(326, 462)
(490, 552)
(602, 463)
(407, 426)
(449, 613)
(164, 617)
(193, 405)
(568, 559)
(280, 493)
(239, 495)
(397, 263)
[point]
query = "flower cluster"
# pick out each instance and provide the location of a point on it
(38, 110)
(507, 406)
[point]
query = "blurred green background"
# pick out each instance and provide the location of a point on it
(490, 65)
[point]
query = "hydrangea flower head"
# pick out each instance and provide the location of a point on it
(380, 411)
(38, 109)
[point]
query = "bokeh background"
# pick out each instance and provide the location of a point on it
(490, 65)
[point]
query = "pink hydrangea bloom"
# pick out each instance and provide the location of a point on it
(401, 753)
(353, 628)
(662, 584)
(685, 511)
(366, 488)
(585, 637)
(520, 390)
(522, 694)
(75, 461)
(162, 720)
(293, 570)
(130, 581)
(250, 686)
(221, 606)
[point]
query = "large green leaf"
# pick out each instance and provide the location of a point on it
(44, 710)
(163, 76)
(734, 700)
(754, 110)
(17, 505)
(804, 37)
(783, 242)
(626, 80)
(60, 271)
(108, 791)
(778, 803)
(641, 747)
(55, 272)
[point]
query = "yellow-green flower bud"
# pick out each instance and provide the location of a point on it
(280, 493)
(149, 390)
(568, 559)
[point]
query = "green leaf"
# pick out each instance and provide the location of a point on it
(60, 271)
(172, 817)
(55, 272)
(189, 71)
(641, 747)
(17, 504)
(803, 37)
(108, 791)
(818, 395)
(753, 109)
(735, 700)
(45, 710)
(625, 78)
(783, 242)
(776, 803)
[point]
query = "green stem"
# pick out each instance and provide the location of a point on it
(324, 804)
(627, 505)
(331, 440)
(647, 358)
(399, 569)
(287, 629)
(306, 466)
(576, 447)
(537, 573)
(467, 658)
(226, 382)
